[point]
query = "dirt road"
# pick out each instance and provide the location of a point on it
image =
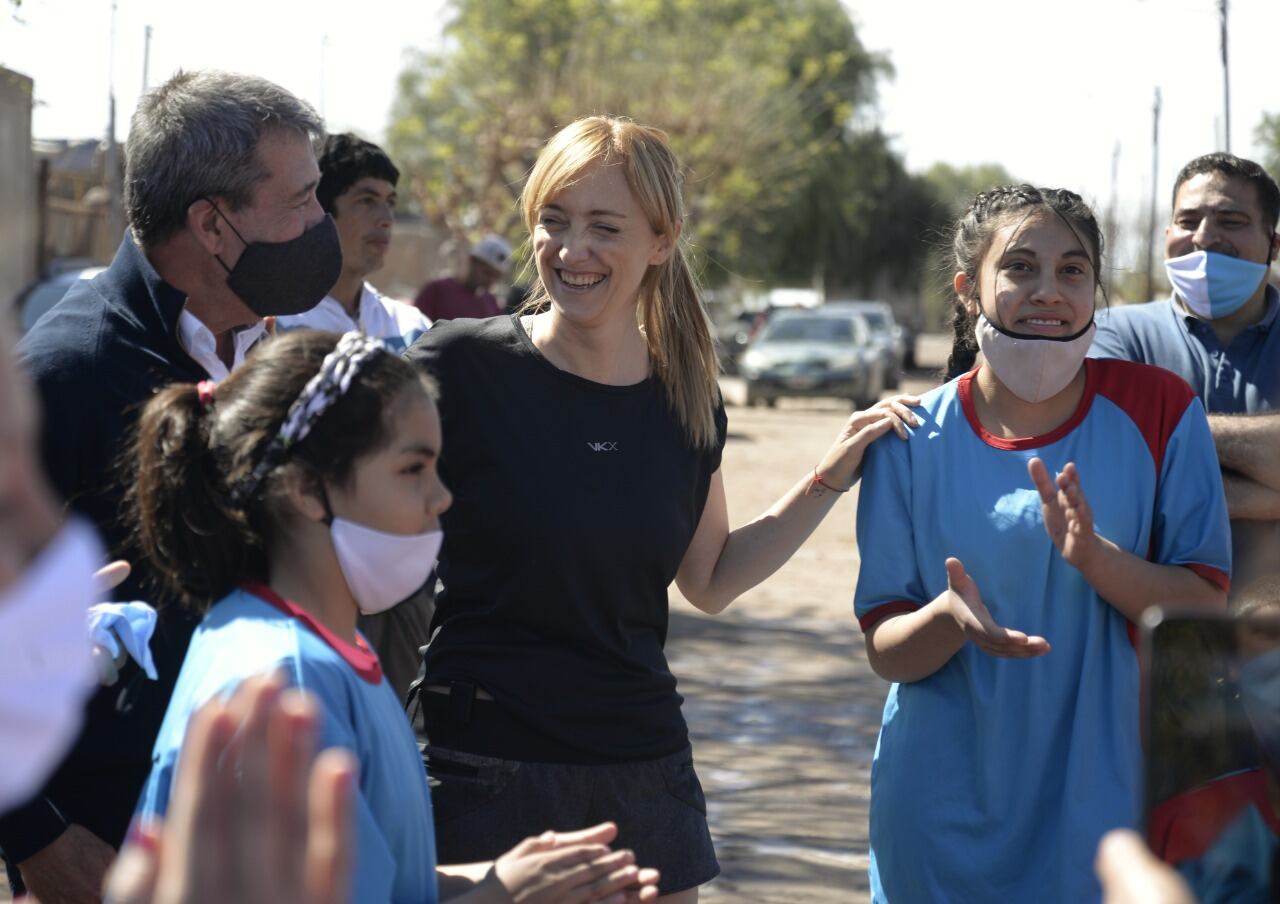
(783, 708)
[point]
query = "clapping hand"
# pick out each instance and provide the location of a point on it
(254, 817)
(1068, 519)
(574, 868)
(974, 619)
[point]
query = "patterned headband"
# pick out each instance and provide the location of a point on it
(337, 371)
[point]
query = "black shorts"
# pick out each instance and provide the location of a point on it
(484, 806)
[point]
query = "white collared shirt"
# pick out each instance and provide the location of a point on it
(198, 342)
(394, 322)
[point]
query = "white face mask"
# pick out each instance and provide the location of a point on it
(1034, 368)
(46, 660)
(383, 569)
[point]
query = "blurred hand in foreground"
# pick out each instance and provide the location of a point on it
(1131, 874)
(254, 817)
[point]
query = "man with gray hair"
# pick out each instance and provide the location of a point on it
(225, 230)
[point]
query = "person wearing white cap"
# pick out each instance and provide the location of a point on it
(470, 296)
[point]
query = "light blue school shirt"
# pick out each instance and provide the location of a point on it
(252, 632)
(994, 778)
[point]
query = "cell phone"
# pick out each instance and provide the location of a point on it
(1211, 713)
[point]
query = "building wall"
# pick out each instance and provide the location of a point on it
(18, 221)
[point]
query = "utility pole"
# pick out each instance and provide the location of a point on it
(111, 165)
(1151, 212)
(324, 53)
(1226, 79)
(1109, 229)
(146, 59)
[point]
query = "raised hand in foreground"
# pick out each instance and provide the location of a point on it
(254, 818)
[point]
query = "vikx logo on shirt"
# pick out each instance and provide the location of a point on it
(603, 447)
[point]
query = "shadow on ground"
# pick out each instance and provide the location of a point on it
(783, 714)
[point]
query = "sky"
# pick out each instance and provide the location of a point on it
(1048, 89)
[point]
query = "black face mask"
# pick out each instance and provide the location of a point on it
(280, 278)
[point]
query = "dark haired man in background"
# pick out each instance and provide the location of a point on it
(358, 189)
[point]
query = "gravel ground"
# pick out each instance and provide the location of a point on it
(781, 703)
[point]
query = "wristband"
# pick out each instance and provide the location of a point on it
(817, 485)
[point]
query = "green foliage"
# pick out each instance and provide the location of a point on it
(757, 96)
(955, 187)
(1267, 134)
(952, 189)
(858, 216)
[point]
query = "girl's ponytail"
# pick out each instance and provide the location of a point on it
(964, 342)
(198, 546)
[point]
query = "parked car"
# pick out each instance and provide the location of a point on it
(733, 337)
(885, 332)
(814, 352)
(47, 291)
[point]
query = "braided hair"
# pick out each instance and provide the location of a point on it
(972, 239)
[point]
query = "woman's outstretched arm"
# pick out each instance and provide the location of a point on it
(721, 564)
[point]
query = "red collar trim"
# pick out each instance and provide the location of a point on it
(358, 655)
(965, 390)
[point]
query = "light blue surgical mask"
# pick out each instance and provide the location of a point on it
(1214, 285)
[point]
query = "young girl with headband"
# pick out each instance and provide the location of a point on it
(299, 493)
(1006, 753)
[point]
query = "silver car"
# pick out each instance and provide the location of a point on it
(885, 333)
(813, 352)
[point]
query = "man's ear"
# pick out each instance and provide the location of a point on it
(206, 224)
(303, 494)
(964, 286)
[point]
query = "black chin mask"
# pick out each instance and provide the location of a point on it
(280, 278)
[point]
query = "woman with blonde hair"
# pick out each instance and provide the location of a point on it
(586, 434)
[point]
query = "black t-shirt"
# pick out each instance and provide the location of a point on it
(574, 504)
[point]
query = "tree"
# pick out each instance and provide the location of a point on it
(858, 219)
(955, 187)
(755, 94)
(1267, 134)
(952, 189)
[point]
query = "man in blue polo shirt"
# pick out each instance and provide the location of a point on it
(1219, 332)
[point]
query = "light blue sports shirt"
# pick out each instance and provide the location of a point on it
(994, 778)
(253, 631)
